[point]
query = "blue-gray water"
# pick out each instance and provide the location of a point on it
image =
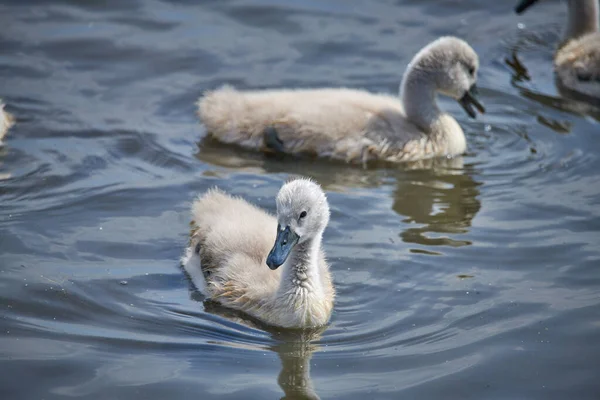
(472, 280)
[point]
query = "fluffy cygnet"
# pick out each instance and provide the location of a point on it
(355, 125)
(577, 60)
(236, 251)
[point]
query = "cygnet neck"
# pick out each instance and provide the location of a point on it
(419, 98)
(583, 18)
(301, 271)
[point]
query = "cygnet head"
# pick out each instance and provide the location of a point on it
(302, 214)
(452, 65)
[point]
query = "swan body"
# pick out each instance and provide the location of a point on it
(355, 125)
(577, 60)
(236, 250)
(6, 121)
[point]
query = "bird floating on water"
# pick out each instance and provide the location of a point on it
(272, 268)
(355, 125)
(577, 59)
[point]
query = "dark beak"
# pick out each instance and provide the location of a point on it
(469, 100)
(284, 243)
(524, 5)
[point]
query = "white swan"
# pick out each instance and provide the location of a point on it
(233, 242)
(6, 121)
(354, 125)
(577, 60)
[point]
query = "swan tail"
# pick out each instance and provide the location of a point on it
(230, 116)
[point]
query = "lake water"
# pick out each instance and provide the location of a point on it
(471, 279)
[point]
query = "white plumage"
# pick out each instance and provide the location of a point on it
(354, 125)
(230, 249)
(6, 121)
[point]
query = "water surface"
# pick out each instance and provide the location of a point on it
(473, 278)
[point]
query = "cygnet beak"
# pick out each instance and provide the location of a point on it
(524, 5)
(469, 100)
(284, 243)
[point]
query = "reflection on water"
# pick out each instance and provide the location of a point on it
(439, 195)
(441, 201)
(471, 278)
(587, 104)
(294, 347)
(569, 100)
(295, 351)
(330, 175)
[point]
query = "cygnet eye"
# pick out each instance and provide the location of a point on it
(302, 214)
(471, 70)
